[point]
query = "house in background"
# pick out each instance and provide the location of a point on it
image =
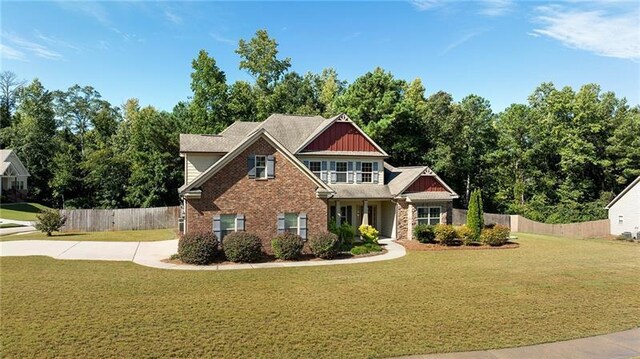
(13, 176)
(624, 211)
(296, 173)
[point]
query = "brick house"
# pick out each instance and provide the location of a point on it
(296, 173)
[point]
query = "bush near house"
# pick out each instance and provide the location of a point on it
(475, 214)
(424, 233)
(49, 221)
(368, 233)
(198, 247)
(445, 234)
(466, 235)
(344, 232)
(366, 248)
(324, 245)
(496, 236)
(287, 246)
(242, 247)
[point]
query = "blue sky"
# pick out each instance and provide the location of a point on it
(498, 49)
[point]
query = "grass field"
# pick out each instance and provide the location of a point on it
(549, 289)
(115, 236)
(21, 211)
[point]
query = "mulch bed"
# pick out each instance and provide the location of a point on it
(417, 246)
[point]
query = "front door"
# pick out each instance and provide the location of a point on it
(345, 214)
(373, 216)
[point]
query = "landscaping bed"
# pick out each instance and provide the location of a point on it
(417, 246)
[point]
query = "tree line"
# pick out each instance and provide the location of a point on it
(560, 157)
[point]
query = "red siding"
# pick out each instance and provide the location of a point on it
(426, 184)
(341, 136)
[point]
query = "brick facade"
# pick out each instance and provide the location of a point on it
(230, 191)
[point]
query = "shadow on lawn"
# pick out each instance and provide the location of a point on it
(59, 234)
(22, 207)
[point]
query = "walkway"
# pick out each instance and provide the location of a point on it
(151, 254)
(27, 227)
(621, 345)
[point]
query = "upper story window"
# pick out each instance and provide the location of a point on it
(261, 166)
(367, 172)
(316, 168)
(341, 172)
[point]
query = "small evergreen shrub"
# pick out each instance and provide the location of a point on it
(445, 234)
(475, 214)
(466, 235)
(424, 233)
(324, 245)
(496, 236)
(242, 247)
(50, 221)
(368, 233)
(198, 247)
(287, 246)
(346, 233)
(366, 248)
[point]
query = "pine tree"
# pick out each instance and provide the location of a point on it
(474, 215)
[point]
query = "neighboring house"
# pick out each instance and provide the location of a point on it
(13, 176)
(624, 210)
(296, 173)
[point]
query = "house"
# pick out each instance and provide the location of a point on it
(296, 173)
(13, 176)
(624, 210)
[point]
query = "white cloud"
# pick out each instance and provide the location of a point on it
(53, 41)
(351, 36)
(28, 46)
(423, 5)
(173, 17)
(220, 38)
(10, 53)
(460, 41)
(90, 8)
(597, 31)
(496, 7)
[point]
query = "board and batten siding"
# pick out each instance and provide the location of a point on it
(196, 163)
(624, 214)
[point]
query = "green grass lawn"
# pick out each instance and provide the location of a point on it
(21, 211)
(116, 236)
(10, 225)
(548, 289)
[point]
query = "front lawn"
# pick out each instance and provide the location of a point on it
(548, 289)
(115, 236)
(21, 211)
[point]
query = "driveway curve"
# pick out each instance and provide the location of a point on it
(152, 254)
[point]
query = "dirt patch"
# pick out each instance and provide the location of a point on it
(417, 246)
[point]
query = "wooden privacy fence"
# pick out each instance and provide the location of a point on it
(125, 219)
(460, 217)
(591, 229)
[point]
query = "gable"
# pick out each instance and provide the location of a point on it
(426, 184)
(341, 136)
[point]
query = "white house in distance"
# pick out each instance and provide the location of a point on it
(624, 211)
(13, 175)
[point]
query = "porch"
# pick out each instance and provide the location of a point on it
(379, 213)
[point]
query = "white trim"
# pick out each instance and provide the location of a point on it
(345, 172)
(362, 172)
(255, 164)
(428, 217)
(624, 191)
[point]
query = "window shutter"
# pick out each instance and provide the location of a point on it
(216, 227)
(358, 172)
(280, 223)
(306, 163)
(332, 171)
(323, 173)
(349, 172)
(302, 224)
(251, 166)
(375, 172)
(240, 223)
(271, 166)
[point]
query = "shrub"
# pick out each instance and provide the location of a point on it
(496, 236)
(466, 235)
(324, 245)
(475, 216)
(198, 247)
(368, 233)
(242, 247)
(424, 233)
(366, 248)
(344, 232)
(287, 246)
(50, 221)
(445, 234)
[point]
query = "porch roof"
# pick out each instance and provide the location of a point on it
(361, 191)
(430, 196)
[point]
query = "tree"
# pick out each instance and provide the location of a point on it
(475, 214)
(329, 88)
(77, 108)
(9, 89)
(259, 56)
(50, 221)
(209, 103)
(242, 104)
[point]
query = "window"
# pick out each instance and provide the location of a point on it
(620, 219)
(227, 224)
(367, 172)
(316, 168)
(261, 166)
(428, 215)
(291, 222)
(341, 172)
